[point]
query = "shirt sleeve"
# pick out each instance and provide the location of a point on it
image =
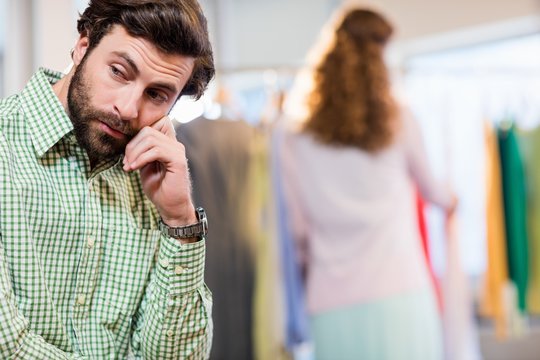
(17, 341)
(175, 317)
(431, 189)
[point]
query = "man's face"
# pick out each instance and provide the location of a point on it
(120, 86)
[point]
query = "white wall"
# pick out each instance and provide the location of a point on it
(417, 18)
(17, 66)
(280, 32)
(55, 32)
(273, 33)
(37, 34)
(261, 33)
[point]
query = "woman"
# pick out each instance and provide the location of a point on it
(351, 174)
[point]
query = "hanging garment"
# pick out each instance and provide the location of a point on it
(269, 311)
(529, 142)
(420, 205)
(460, 332)
(229, 166)
(515, 211)
(297, 332)
(220, 153)
(496, 275)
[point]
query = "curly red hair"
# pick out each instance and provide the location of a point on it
(351, 104)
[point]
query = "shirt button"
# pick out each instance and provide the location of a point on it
(170, 333)
(91, 242)
(164, 262)
(170, 302)
(81, 299)
(179, 269)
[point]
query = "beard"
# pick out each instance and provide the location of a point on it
(86, 121)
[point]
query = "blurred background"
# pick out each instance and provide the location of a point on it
(459, 65)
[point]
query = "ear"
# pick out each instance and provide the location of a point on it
(80, 49)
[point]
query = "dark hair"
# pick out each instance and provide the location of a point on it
(173, 26)
(351, 102)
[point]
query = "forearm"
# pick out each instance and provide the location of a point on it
(175, 320)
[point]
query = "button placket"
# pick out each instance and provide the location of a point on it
(88, 265)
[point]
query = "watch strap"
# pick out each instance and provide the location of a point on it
(199, 229)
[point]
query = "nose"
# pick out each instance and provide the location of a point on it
(127, 105)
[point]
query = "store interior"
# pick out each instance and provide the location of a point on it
(461, 66)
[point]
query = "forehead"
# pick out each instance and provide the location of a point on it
(150, 62)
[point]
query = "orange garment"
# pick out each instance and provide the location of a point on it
(496, 276)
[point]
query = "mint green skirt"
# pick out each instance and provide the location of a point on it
(402, 327)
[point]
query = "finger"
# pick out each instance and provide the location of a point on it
(145, 133)
(165, 126)
(147, 139)
(165, 150)
(153, 154)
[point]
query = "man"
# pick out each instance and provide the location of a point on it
(101, 248)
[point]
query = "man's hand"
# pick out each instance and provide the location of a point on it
(164, 172)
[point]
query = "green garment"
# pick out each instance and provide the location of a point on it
(84, 272)
(515, 210)
(529, 143)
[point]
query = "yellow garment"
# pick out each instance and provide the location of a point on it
(268, 307)
(496, 276)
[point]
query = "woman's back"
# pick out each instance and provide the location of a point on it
(358, 216)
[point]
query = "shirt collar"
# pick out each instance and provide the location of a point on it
(47, 119)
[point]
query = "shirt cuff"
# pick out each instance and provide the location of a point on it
(180, 268)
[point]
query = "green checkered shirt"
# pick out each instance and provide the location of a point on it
(84, 272)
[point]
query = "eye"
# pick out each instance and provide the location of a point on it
(156, 95)
(116, 72)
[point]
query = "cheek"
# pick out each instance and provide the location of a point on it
(103, 94)
(100, 101)
(148, 116)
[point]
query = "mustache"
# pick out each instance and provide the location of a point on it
(114, 122)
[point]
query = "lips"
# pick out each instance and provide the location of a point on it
(112, 131)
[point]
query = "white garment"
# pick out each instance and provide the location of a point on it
(354, 214)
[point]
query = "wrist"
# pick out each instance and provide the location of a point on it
(190, 232)
(188, 218)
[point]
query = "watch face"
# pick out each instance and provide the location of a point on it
(201, 215)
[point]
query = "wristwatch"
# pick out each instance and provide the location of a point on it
(199, 229)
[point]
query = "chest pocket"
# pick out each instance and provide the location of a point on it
(128, 255)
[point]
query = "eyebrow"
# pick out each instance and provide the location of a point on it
(129, 60)
(131, 63)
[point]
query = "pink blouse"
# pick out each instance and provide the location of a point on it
(353, 215)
